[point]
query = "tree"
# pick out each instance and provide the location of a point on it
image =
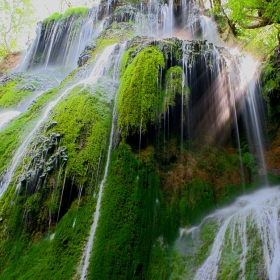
(256, 22)
(251, 14)
(16, 20)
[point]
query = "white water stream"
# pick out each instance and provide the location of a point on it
(5, 117)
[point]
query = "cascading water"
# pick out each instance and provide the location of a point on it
(208, 106)
(95, 74)
(60, 42)
(209, 30)
(5, 117)
(249, 226)
(246, 96)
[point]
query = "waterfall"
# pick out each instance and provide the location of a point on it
(60, 43)
(167, 13)
(209, 30)
(95, 74)
(86, 255)
(176, 145)
(31, 51)
(243, 76)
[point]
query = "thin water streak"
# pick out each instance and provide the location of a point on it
(84, 264)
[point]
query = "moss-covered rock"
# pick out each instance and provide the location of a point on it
(138, 94)
(173, 85)
(125, 230)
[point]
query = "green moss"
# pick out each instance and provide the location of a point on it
(124, 63)
(76, 12)
(124, 234)
(182, 259)
(159, 263)
(101, 45)
(231, 256)
(173, 86)
(121, 30)
(12, 136)
(83, 122)
(54, 17)
(207, 235)
(56, 258)
(79, 12)
(255, 264)
(138, 92)
(198, 198)
(10, 96)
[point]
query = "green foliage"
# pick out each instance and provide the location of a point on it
(249, 161)
(255, 22)
(245, 12)
(272, 11)
(259, 42)
(138, 93)
(125, 229)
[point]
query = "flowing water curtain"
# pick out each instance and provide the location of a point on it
(60, 40)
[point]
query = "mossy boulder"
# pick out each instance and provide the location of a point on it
(138, 93)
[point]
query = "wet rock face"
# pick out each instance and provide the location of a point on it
(28, 81)
(46, 156)
(122, 14)
(85, 55)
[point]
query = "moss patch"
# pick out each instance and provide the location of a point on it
(124, 234)
(137, 99)
(11, 96)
